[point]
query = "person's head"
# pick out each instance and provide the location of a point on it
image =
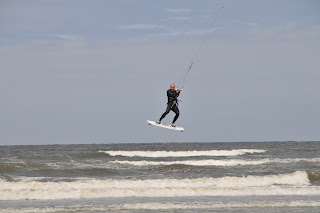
(172, 86)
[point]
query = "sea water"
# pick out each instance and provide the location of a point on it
(173, 177)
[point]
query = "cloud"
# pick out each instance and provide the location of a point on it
(179, 10)
(70, 37)
(198, 32)
(140, 27)
(181, 18)
(252, 24)
(249, 24)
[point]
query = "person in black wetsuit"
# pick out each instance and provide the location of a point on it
(172, 94)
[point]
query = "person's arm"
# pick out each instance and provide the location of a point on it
(169, 94)
(178, 92)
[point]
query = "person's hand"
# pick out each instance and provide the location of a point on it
(179, 90)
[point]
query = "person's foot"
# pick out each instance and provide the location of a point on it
(172, 125)
(158, 122)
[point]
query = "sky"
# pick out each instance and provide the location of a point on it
(80, 71)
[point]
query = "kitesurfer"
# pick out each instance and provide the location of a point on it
(172, 104)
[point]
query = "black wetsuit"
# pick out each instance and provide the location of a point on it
(172, 104)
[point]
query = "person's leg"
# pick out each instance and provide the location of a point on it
(176, 110)
(166, 112)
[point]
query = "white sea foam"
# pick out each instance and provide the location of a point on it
(296, 183)
(235, 162)
(156, 154)
(195, 162)
(166, 206)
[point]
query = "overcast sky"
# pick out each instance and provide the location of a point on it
(94, 71)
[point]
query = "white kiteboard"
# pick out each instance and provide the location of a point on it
(167, 126)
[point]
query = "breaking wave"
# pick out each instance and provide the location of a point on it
(235, 162)
(296, 183)
(194, 162)
(156, 154)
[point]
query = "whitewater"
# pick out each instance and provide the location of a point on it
(154, 154)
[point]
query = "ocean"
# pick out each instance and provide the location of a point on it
(161, 177)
